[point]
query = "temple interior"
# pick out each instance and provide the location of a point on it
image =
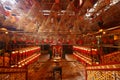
(59, 39)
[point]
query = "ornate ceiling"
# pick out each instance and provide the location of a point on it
(59, 19)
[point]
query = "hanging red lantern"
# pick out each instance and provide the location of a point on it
(43, 41)
(7, 13)
(57, 1)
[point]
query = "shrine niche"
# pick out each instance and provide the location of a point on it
(57, 51)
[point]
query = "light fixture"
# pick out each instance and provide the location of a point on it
(101, 30)
(104, 32)
(115, 37)
(6, 32)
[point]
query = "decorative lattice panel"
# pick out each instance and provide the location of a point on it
(13, 76)
(103, 75)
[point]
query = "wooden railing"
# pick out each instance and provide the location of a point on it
(20, 58)
(111, 58)
(83, 59)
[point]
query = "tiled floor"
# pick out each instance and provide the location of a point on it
(42, 70)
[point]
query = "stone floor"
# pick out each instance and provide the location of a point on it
(42, 69)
